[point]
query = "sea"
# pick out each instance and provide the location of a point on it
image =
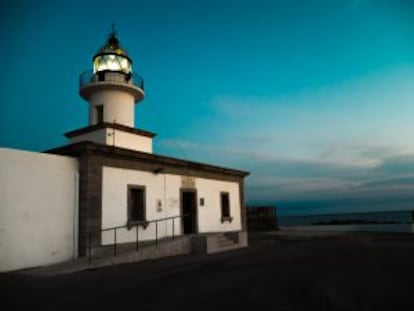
(394, 217)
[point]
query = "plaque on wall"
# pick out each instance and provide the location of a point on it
(187, 182)
(173, 202)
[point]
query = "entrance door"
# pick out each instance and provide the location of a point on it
(189, 210)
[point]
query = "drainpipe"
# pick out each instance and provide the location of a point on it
(76, 216)
(165, 205)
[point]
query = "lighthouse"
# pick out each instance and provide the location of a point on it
(106, 187)
(112, 90)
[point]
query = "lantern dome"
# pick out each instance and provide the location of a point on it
(112, 57)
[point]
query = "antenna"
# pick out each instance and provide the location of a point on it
(113, 30)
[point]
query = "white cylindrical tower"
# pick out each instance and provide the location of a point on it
(111, 88)
(112, 91)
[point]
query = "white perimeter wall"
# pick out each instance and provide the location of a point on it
(38, 209)
(164, 188)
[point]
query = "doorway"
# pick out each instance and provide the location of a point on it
(189, 211)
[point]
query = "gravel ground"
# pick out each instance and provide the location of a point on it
(277, 272)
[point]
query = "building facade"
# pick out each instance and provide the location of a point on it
(124, 192)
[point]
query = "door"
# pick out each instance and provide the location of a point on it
(189, 211)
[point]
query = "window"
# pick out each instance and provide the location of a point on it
(136, 204)
(112, 62)
(99, 114)
(101, 75)
(225, 207)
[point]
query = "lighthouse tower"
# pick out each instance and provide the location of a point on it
(112, 90)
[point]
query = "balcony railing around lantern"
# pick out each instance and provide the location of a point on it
(89, 77)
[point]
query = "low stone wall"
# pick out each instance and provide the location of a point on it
(179, 246)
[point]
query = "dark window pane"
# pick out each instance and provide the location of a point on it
(99, 114)
(225, 205)
(137, 208)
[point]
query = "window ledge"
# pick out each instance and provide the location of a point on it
(228, 218)
(138, 223)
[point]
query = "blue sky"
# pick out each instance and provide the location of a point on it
(314, 98)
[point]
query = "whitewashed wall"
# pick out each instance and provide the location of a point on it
(118, 107)
(114, 137)
(97, 136)
(164, 188)
(38, 209)
(114, 202)
(129, 140)
(209, 215)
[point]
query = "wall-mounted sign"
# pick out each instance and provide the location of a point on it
(173, 202)
(187, 182)
(158, 203)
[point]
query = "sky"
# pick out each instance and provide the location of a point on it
(314, 98)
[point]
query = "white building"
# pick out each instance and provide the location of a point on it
(106, 187)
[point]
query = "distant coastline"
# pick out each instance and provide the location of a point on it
(373, 218)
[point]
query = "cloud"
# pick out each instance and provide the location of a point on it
(401, 164)
(275, 179)
(391, 184)
(310, 179)
(352, 140)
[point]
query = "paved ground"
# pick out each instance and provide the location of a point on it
(341, 272)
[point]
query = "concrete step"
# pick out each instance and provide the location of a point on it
(228, 247)
(225, 242)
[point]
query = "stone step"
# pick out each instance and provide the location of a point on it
(223, 238)
(225, 243)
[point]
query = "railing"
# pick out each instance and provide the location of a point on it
(145, 224)
(89, 77)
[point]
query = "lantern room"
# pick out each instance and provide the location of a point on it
(110, 87)
(112, 57)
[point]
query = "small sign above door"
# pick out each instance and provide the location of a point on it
(187, 182)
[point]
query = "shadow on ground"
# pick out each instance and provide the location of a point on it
(280, 272)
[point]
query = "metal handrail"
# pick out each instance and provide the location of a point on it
(129, 226)
(88, 77)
